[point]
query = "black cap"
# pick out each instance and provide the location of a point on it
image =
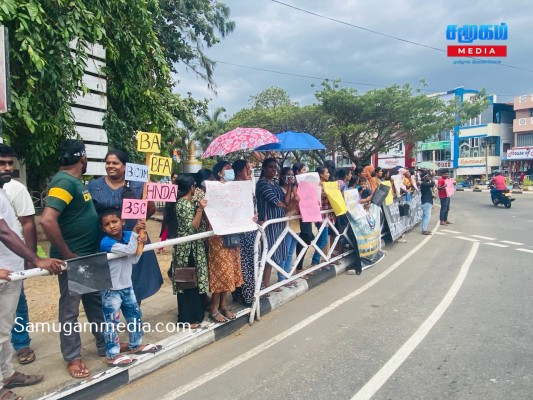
(70, 152)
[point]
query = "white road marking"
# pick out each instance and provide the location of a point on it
(515, 243)
(497, 244)
(483, 237)
(439, 233)
(468, 239)
(378, 380)
(446, 230)
(176, 393)
(525, 250)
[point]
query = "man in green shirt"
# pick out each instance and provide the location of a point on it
(70, 223)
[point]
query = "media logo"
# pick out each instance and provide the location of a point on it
(471, 33)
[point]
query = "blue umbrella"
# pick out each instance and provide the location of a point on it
(291, 141)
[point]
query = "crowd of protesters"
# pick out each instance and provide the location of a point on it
(79, 220)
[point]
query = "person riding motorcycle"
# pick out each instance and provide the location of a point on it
(498, 183)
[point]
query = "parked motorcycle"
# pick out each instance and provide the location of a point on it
(500, 197)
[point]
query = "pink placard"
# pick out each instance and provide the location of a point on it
(161, 191)
(309, 202)
(134, 209)
(450, 187)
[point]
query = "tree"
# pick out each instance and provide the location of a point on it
(364, 124)
(211, 127)
(143, 40)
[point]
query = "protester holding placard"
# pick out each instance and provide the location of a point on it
(306, 228)
(168, 225)
(190, 254)
(245, 294)
(224, 263)
(288, 185)
(324, 205)
(271, 205)
(109, 192)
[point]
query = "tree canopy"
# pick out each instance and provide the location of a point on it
(143, 39)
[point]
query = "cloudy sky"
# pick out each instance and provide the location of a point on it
(304, 48)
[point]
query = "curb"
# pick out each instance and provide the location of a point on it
(175, 347)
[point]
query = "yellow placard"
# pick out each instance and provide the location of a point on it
(335, 197)
(148, 142)
(160, 166)
(390, 198)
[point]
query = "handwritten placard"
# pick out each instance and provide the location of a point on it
(230, 207)
(161, 192)
(450, 187)
(354, 208)
(134, 209)
(148, 142)
(335, 197)
(160, 166)
(136, 172)
(309, 201)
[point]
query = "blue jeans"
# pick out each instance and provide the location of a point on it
(444, 208)
(290, 242)
(112, 302)
(426, 215)
(321, 243)
(20, 337)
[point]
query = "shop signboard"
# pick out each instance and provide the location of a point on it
(444, 145)
(525, 153)
(471, 161)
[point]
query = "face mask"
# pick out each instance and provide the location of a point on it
(229, 175)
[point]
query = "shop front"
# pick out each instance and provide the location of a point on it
(520, 160)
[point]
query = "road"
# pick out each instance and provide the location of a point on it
(441, 317)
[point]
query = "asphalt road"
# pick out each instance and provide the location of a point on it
(441, 317)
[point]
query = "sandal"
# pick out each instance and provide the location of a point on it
(277, 290)
(19, 379)
(9, 395)
(77, 369)
(146, 349)
(26, 355)
(426, 233)
(120, 361)
(228, 314)
(217, 318)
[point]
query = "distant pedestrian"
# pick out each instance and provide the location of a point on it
(444, 198)
(426, 188)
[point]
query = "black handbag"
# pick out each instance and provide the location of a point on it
(404, 209)
(232, 241)
(185, 277)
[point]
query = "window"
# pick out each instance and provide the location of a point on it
(474, 142)
(524, 139)
(522, 99)
(506, 146)
(531, 112)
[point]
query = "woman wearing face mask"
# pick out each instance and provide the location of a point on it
(271, 205)
(224, 263)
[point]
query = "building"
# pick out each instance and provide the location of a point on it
(475, 148)
(520, 157)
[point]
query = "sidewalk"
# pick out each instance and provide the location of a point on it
(160, 308)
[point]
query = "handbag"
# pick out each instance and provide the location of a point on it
(380, 195)
(184, 278)
(231, 241)
(404, 209)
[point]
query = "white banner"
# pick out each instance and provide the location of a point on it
(230, 207)
(520, 154)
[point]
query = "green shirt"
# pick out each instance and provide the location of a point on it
(78, 220)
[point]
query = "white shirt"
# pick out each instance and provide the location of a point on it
(8, 259)
(20, 199)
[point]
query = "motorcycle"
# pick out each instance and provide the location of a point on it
(500, 196)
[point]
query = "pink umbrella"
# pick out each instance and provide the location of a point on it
(239, 139)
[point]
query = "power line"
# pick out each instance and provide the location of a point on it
(329, 79)
(386, 35)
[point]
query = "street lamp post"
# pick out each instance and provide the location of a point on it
(485, 146)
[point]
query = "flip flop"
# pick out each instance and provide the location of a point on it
(26, 355)
(9, 395)
(77, 369)
(213, 317)
(121, 362)
(228, 314)
(19, 379)
(147, 349)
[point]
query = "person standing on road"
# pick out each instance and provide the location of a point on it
(13, 252)
(70, 223)
(25, 211)
(426, 189)
(444, 198)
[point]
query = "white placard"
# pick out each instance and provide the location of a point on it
(3, 73)
(136, 172)
(230, 207)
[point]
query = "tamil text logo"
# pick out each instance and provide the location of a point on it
(472, 33)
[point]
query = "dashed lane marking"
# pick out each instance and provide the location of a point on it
(439, 233)
(483, 237)
(497, 244)
(467, 239)
(509, 242)
(525, 250)
(446, 230)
